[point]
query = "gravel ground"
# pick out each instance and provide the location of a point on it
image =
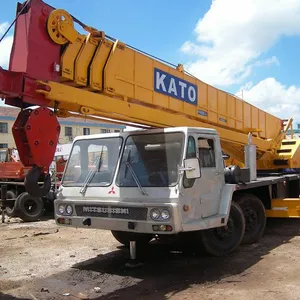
(42, 261)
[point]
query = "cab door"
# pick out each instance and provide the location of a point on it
(212, 178)
(206, 190)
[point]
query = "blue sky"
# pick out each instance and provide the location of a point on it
(248, 47)
(154, 26)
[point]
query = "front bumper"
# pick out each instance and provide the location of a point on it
(119, 216)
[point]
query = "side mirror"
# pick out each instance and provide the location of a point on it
(191, 168)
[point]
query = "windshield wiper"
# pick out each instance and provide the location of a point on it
(96, 168)
(128, 165)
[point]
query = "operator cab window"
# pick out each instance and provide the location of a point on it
(206, 153)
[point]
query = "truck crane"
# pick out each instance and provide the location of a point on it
(165, 180)
(18, 202)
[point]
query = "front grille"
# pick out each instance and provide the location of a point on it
(112, 212)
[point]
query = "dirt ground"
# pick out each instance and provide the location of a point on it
(41, 261)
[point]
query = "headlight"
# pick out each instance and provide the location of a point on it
(61, 209)
(155, 214)
(165, 214)
(69, 210)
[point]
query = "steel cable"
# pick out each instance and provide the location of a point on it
(14, 21)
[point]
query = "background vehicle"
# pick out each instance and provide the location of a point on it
(19, 202)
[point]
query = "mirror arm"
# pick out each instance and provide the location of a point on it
(183, 169)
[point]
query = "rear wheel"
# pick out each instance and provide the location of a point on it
(124, 237)
(10, 208)
(224, 240)
(29, 208)
(255, 217)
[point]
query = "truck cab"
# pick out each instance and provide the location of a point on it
(11, 167)
(149, 182)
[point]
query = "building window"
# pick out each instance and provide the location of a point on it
(3, 127)
(3, 145)
(68, 131)
(86, 131)
(104, 130)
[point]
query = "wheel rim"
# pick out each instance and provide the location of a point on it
(225, 232)
(30, 206)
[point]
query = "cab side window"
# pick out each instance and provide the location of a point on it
(190, 153)
(206, 149)
(191, 148)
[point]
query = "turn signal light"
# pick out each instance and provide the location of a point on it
(64, 221)
(186, 207)
(162, 228)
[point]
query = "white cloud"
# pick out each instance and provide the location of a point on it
(5, 46)
(3, 27)
(5, 49)
(274, 97)
(266, 62)
(233, 34)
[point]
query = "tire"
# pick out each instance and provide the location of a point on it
(28, 208)
(224, 240)
(255, 217)
(124, 237)
(10, 210)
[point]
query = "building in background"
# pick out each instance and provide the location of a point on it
(296, 132)
(70, 127)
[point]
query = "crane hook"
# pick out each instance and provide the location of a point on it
(31, 183)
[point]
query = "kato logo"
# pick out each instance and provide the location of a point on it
(175, 87)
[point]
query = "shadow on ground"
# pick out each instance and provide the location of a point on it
(8, 297)
(165, 272)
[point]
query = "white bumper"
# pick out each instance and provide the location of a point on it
(120, 216)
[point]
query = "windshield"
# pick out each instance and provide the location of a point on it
(85, 157)
(151, 160)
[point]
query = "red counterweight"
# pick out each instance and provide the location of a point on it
(33, 52)
(33, 57)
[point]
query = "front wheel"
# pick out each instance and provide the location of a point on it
(224, 240)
